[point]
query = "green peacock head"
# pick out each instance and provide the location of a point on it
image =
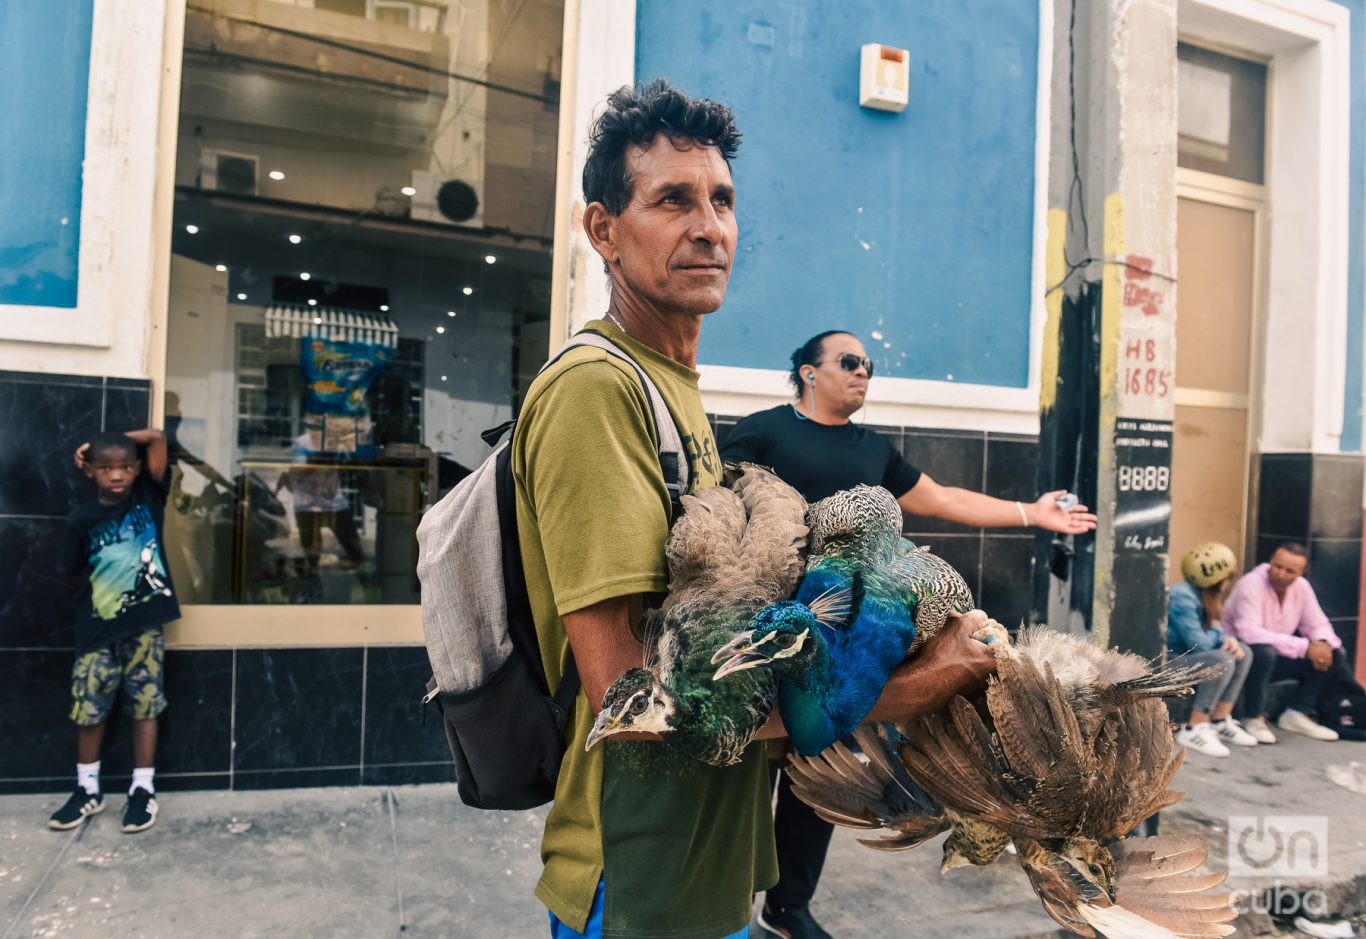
(783, 635)
(636, 701)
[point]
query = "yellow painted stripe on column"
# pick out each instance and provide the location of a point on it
(1055, 269)
(1111, 309)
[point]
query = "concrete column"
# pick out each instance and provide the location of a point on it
(1110, 351)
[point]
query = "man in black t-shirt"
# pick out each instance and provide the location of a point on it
(114, 544)
(812, 445)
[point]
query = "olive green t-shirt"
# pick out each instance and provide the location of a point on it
(681, 847)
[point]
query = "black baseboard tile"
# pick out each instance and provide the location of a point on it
(32, 784)
(407, 774)
(296, 778)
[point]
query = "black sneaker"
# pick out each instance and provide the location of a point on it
(141, 811)
(791, 922)
(80, 805)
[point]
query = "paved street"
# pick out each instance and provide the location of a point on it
(373, 861)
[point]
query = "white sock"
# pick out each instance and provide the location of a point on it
(88, 777)
(142, 779)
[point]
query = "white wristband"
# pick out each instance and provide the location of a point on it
(1024, 519)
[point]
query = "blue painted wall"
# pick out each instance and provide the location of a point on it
(1356, 264)
(917, 225)
(44, 70)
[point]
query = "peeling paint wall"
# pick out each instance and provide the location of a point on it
(914, 230)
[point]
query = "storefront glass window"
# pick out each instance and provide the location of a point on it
(359, 281)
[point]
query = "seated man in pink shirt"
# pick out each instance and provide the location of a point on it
(1273, 609)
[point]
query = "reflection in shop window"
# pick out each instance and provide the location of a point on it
(359, 280)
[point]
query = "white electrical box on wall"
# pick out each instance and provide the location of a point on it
(884, 77)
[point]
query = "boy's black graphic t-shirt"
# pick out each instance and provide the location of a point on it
(117, 550)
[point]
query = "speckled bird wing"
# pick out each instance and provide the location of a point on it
(930, 585)
(878, 794)
(773, 543)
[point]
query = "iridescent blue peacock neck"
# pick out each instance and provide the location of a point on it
(868, 598)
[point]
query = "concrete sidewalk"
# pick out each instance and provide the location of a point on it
(373, 862)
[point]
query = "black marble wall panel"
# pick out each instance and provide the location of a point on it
(1335, 572)
(1007, 578)
(1286, 481)
(1347, 632)
(196, 730)
(35, 603)
(126, 405)
(1335, 505)
(37, 738)
(298, 715)
(950, 458)
(1012, 467)
(398, 729)
(44, 422)
(298, 709)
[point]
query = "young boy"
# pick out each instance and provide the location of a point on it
(115, 544)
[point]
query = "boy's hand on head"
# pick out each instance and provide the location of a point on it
(80, 455)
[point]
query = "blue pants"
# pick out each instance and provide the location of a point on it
(593, 928)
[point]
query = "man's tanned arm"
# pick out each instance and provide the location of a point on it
(950, 663)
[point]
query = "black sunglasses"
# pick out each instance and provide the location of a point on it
(850, 363)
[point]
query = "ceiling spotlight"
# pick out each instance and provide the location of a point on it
(221, 268)
(295, 239)
(241, 296)
(317, 320)
(304, 275)
(276, 175)
(450, 312)
(192, 229)
(312, 302)
(443, 377)
(408, 191)
(489, 259)
(384, 308)
(441, 329)
(467, 291)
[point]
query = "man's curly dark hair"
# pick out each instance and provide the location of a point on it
(636, 116)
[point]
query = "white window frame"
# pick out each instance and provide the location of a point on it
(118, 184)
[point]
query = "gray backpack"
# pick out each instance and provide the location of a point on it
(504, 725)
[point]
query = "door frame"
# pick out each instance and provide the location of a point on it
(1236, 194)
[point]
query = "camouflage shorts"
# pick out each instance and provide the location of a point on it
(134, 665)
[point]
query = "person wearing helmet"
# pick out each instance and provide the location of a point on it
(1195, 607)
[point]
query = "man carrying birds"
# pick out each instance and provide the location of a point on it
(627, 852)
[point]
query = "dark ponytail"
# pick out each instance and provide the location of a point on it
(810, 353)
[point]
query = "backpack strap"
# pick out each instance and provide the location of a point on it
(672, 459)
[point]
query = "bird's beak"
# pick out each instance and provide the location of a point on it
(741, 662)
(741, 643)
(605, 726)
